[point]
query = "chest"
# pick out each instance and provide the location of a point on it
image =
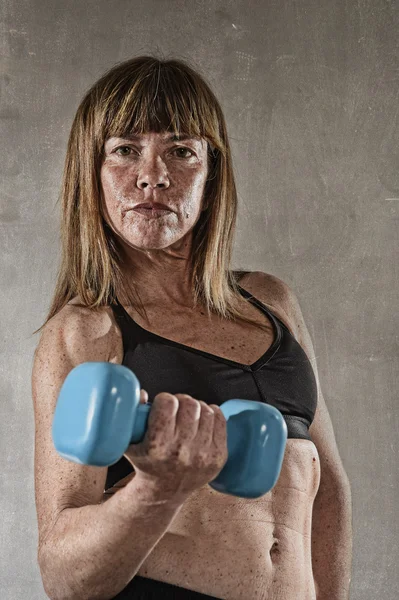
(232, 340)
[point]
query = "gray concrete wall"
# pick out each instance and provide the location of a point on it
(310, 93)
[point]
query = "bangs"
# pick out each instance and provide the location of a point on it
(157, 98)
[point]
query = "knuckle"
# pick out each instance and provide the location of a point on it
(202, 461)
(192, 405)
(187, 401)
(182, 453)
(164, 398)
(184, 397)
(207, 408)
(155, 450)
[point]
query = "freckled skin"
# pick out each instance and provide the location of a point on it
(240, 548)
(231, 547)
(173, 173)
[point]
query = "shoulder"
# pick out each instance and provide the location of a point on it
(275, 293)
(75, 310)
(97, 326)
(272, 286)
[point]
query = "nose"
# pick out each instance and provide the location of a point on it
(153, 174)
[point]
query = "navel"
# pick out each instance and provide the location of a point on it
(275, 549)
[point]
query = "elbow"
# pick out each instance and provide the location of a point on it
(53, 583)
(51, 593)
(58, 587)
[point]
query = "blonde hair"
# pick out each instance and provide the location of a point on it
(138, 96)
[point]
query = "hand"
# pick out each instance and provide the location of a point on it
(185, 445)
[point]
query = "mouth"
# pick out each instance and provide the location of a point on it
(152, 204)
(152, 212)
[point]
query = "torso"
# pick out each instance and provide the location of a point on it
(227, 547)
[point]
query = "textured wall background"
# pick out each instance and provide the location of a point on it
(310, 93)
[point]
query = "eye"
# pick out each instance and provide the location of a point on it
(185, 150)
(122, 147)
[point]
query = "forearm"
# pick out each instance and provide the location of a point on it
(94, 551)
(332, 542)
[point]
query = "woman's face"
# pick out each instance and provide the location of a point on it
(153, 167)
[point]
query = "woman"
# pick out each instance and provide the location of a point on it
(152, 288)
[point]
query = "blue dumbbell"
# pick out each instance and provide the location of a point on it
(99, 414)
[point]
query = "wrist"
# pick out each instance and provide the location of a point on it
(155, 491)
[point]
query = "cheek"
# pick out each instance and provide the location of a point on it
(115, 190)
(106, 186)
(193, 185)
(115, 176)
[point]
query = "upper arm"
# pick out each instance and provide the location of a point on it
(71, 337)
(321, 430)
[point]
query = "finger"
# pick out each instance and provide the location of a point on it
(219, 428)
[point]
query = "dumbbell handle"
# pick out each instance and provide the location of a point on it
(98, 414)
(140, 422)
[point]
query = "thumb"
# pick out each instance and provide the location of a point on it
(143, 396)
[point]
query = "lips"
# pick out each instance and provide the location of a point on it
(152, 205)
